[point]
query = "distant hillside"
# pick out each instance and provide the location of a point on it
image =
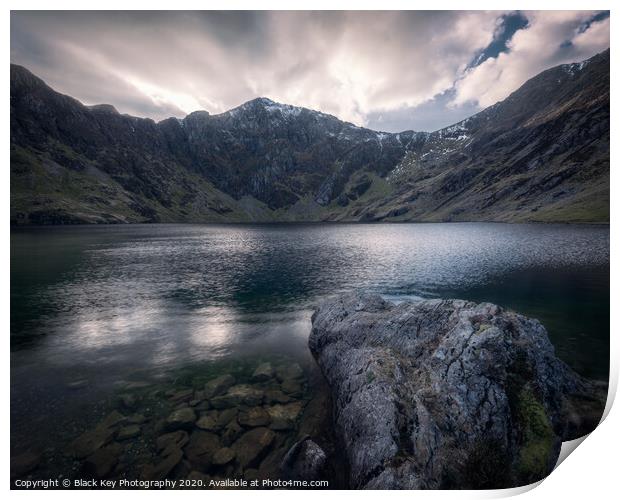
(542, 154)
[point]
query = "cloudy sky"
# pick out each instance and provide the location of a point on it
(388, 71)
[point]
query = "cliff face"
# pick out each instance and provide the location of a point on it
(542, 154)
(447, 393)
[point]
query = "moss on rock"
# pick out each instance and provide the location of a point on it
(538, 438)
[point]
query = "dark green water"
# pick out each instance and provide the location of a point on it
(115, 303)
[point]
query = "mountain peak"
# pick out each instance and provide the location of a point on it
(24, 78)
(265, 101)
(265, 104)
(104, 108)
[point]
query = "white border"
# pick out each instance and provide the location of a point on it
(591, 472)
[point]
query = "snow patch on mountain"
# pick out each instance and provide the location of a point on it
(574, 68)
(285, 110)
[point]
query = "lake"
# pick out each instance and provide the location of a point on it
(101, 305)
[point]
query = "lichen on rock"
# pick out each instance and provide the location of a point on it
(446, 393)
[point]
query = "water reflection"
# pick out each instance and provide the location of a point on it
(108, 305)
(147, 297)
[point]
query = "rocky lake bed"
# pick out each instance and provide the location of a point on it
(205, 425)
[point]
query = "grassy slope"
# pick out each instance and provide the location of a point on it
(39, 185)
(42, 191)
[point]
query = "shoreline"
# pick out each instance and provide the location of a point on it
(304, 222)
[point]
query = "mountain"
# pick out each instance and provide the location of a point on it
(542, 154)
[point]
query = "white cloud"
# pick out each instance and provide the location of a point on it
(543, 44)
(355, 65)
(344, 63)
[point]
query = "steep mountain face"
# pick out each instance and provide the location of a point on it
(541, 154)
(279, 154)
(71, 163)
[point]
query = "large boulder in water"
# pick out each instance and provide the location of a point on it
(447, 393)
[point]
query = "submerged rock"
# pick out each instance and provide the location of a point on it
(304, 461)
(201, 448)
(199, 477)
(254, 417)
(101, 463)
(251, 474)
(24, 463)
(201, 406)
(226, 416)
(171, 441)
(263, 373)
(182, 396)
(223, 456)
(270, 465)
(218, 385)
(283, 417)
(136, 418)
(163, 468)
(128, 432)
(290, 372)
(128, 401)
(90, 441)
(208, 423)
(292, 388)
(232, 432)
(276, 396)
(242, 394)
(252, 446)
(182, 418)
(445, 393)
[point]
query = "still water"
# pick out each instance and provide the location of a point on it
(112, 303)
